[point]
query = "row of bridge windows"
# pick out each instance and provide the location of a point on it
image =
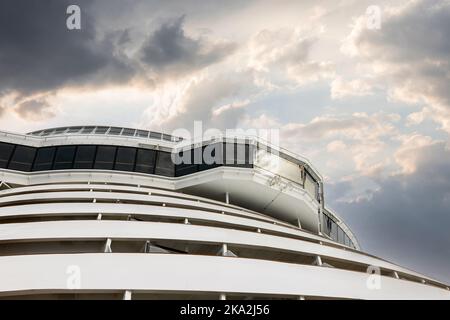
(104, 157)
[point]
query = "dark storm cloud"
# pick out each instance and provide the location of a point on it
(168, 50)
(408, 219)
(39, 53)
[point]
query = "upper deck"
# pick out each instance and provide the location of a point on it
(246, 171)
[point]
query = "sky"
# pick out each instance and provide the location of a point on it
(360, 88)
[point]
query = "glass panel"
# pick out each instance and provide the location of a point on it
(22, 158)
(211, 156)
(84, 158)
(327, 222)
(64, 157)
(101, 130)
(74, 130)
(346, 240)
(128, 132)
(243, 155)
(114, 130)
(60, 130)
(167, 137)
(340, 235)
(188, 165)
(278, 165)
(142, 133)
(105, 157)
(44, 159)
(228, 153)
(6, 150)
(47, 132)
(334, 232)
(311, 186)
(87, 130)
(125, 159)
(145, 161)
(164, 164)
(155, 135)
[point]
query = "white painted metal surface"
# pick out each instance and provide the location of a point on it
(187, 273)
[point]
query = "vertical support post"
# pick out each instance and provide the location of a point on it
(222, 296)
(99, 216)
(127, 295)
(147, 246)
(107, 247)
(227, 197)
(224, 249)
(318, 261)
(321, 207)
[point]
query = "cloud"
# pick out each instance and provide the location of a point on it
(286, 52)
(357, 143)
(406, 155)
(341, 88)
(406, 219)
(358, 126)
(410, 54)
(169, 51)
(39, 54)
(218, 101)
(336, 145)
(34, 109)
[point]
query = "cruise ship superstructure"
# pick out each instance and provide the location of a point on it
(97, 212)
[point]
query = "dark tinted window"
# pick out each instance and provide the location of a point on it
(238, 155)
(44, 159)
(64, 157)
(155, 135)
(145, 161)
(22, 158)
(114, 130)
(101, 130)
(128, 132)
(60, 130)
(87, 130)
(164, 164)
(186, 163)
(333, 233)
(142, 133)
(6, 150)
(84, 158)
(125, 159)
(105, 157)
(74, 129)
(212, 156)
